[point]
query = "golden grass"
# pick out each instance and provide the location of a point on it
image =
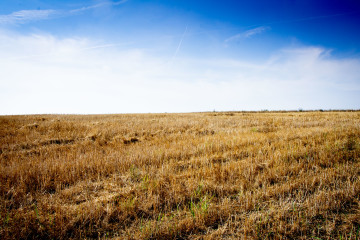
(289, 175)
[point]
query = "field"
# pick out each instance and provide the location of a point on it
(214, 175)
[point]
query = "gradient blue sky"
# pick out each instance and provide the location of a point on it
(178, 56)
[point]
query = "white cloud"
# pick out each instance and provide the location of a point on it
(45, 74)
(248, 33)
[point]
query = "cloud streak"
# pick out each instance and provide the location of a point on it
(24, 16)
(178, 47)
(102, 4)
(248, 34)
(27, 15)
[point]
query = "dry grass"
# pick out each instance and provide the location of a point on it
(290, 175)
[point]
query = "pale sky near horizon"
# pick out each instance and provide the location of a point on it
(135, 56)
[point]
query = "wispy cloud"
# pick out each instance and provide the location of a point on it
(24, 16)
(248, 33)
(27, 15)
(101, 4)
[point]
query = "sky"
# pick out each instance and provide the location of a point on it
(133, 56)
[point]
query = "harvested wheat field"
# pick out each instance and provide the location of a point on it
(238, 175)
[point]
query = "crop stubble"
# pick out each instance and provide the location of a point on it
(275, 175)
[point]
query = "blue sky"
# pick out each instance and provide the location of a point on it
(178, 56)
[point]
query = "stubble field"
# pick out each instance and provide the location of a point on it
(234, 175)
